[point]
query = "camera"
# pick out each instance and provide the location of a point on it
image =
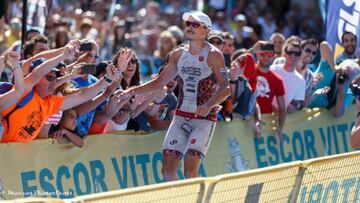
(355, 89)
(342, 78)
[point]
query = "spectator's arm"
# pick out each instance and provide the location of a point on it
(76, 140)
(327, 54)
(91, 91)
(11, 97)
(339, 105)
(45, 68)
(75, 73)
(355, 132)
(282, 114)
(93, 103)
(112, 107)
(49, 54)
(165, 77)
(88, 57)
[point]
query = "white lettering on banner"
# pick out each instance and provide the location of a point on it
(349, 21)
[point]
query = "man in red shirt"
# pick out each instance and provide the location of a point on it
(269, 84)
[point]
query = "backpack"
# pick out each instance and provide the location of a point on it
(5, 87)
(245, 99)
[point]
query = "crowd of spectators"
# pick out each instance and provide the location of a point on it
(54, 87)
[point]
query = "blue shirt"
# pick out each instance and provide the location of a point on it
(84, 122)
(343, 57)
(328, 75)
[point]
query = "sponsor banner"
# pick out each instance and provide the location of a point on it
(342, 15)
(110, 162)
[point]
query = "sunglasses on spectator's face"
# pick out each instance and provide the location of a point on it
(133, 61)
(307, 50)
(293, 53)
(266, 54)
(193, 24)
(218, 42)
(50, 78)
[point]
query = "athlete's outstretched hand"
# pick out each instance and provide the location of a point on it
(202, 110)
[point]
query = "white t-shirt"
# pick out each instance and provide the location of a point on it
(294, 83)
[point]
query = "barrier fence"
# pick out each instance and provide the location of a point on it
(111, 162)
(330, 179)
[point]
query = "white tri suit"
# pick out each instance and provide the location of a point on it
(197, 83)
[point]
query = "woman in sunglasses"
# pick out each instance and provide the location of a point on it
(202, 87)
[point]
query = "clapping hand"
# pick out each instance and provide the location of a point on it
(12, 59)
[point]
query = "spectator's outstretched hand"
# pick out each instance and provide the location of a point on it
(12, 59)
(235, 69)
(257, 46)
(124, 58)
(112, 87)
(111, 72)
(58, 135)
(159, 95)
(69, 51)
(75, 42)
(76, 71)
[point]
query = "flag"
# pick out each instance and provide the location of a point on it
(37, 13)
(341, 16)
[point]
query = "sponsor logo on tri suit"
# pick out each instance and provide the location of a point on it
(190, 90)
(172, 142)
(190, 79)
(186, 70)
(192, 85)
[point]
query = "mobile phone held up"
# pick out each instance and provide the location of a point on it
(87, 46)
(88, 69)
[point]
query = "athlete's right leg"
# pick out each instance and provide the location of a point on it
(174, 147)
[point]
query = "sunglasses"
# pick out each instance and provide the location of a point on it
(266, 54)
(218, 42)
(293, 53)
(310, 51)
(50, 78)
(193, 24)
(133, 61)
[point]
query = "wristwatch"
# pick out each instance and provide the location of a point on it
(107, 79)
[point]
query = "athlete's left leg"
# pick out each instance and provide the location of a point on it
(199, 142)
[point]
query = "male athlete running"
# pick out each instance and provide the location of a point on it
(199, 66)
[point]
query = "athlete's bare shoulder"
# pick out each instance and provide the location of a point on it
(175, 54)
(216, 58)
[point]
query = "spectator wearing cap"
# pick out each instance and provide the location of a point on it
(216, 38)
(349, 42)
(295, 85)
(242, 33)
(22, 124)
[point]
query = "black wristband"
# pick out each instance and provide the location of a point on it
(233, 81)
(358, 114)
(107, 79)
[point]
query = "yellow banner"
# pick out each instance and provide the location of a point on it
(110, 162)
